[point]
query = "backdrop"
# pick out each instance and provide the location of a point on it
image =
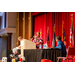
(45, 20)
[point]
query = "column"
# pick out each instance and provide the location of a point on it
(24, 25)
(0, 46)
(0, 22)
(3, 20)
(8, 45)
(17, 29)
(29, 19)
(9, 41)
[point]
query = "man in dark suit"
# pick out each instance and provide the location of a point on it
(61, 45)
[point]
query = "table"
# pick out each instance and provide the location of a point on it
(35, 55)
(51, 54)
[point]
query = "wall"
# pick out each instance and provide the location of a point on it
(2, 22)
(13, 40)
(4, 47)
(30, 25)
(21, 24)
(27, 25)
(12, 19)
(0, 47)
(24, 25)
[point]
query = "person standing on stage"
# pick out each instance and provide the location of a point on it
(38, 40)
(20, 39)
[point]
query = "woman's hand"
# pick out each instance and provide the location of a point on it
(37, 43)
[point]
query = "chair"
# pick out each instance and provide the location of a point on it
(62, 58)
(70, 57)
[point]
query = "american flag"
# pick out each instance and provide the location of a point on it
(71, 34)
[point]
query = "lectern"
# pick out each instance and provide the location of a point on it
(27, 44)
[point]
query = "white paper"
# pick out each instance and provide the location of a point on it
(22, 43)
(17, 48)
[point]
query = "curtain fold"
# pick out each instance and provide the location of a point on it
(74, 26)
(50, 28)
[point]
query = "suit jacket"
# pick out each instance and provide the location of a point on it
(61, 45)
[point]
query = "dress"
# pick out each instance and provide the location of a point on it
(36, 40)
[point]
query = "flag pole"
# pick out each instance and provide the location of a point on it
(47, 37)
(72, 30)
(53, 40)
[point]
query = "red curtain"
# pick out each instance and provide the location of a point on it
(35, 13)
(45, 20)
(40, 25)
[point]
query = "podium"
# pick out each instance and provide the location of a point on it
(27, 44)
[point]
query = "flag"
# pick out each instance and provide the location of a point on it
(63, 35)
(71, 33)
(40, 32)
(53, 41)
(47, 38)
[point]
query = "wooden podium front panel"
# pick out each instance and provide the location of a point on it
(27, 45)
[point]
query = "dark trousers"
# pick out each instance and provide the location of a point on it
(63, 54)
